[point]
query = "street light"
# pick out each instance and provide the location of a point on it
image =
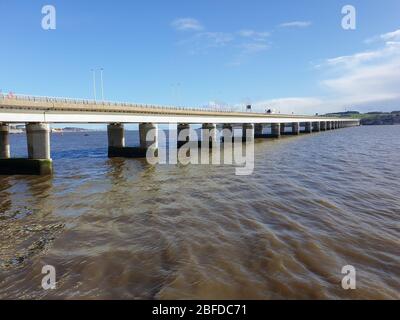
(102, 84)
(94, 84)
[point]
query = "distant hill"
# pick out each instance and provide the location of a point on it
(371, 118)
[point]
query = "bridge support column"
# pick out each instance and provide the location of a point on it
(183, 134)
(248, 131)
(148, 135)
(282, 128)
(38, 139)
(276, 130)
(316, 126)
(227, 133)
(4, 141)
(328, 125)
(323, 125)
(296, 128)
(258, 129)
(116, 135)
(116, 141)
(209, 133)
(38, 143)
(307, 127)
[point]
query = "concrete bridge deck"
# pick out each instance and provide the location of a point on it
(20, 109)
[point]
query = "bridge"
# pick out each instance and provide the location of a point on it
(39, 112)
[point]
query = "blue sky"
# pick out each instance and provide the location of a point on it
(292, 56)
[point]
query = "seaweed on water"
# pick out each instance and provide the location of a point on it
(13, 257)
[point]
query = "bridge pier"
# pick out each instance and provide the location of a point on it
(38, 139)
(209, 133)
(183, 134)
(116, 141)
(296, 128)
(282, 128)
(258, 129)
(323, 125)
(328, 125)
(148, 136)
(38, 144)
(148, 133)
(316, 126)
(247, 132)
(4, 141)
(116, 135)
(227, 132)
(307, 127)
(275, 130)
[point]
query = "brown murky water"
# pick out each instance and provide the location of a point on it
(120, 228)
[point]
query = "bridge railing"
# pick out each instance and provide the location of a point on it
(105, 103)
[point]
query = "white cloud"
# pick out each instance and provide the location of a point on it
(202, 42)
(371, 85)
(388, 37)
(289, 105)
(370, 78)
(363, 81)
(241, 44)
(391, 36)
(187, 24)
(295, 24)
(255, 35)
(216, 39)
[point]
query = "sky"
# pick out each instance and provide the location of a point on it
(289, 56)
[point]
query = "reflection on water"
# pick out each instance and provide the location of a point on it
(121, 228)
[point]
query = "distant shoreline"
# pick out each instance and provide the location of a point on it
(56, 130)
(371, 118)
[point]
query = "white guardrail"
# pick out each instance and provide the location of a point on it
(105, 103)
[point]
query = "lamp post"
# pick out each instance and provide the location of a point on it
(94, 84)
(102, 84)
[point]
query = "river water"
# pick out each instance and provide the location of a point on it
(121, 228)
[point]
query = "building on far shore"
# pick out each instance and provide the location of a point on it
(14, 129)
